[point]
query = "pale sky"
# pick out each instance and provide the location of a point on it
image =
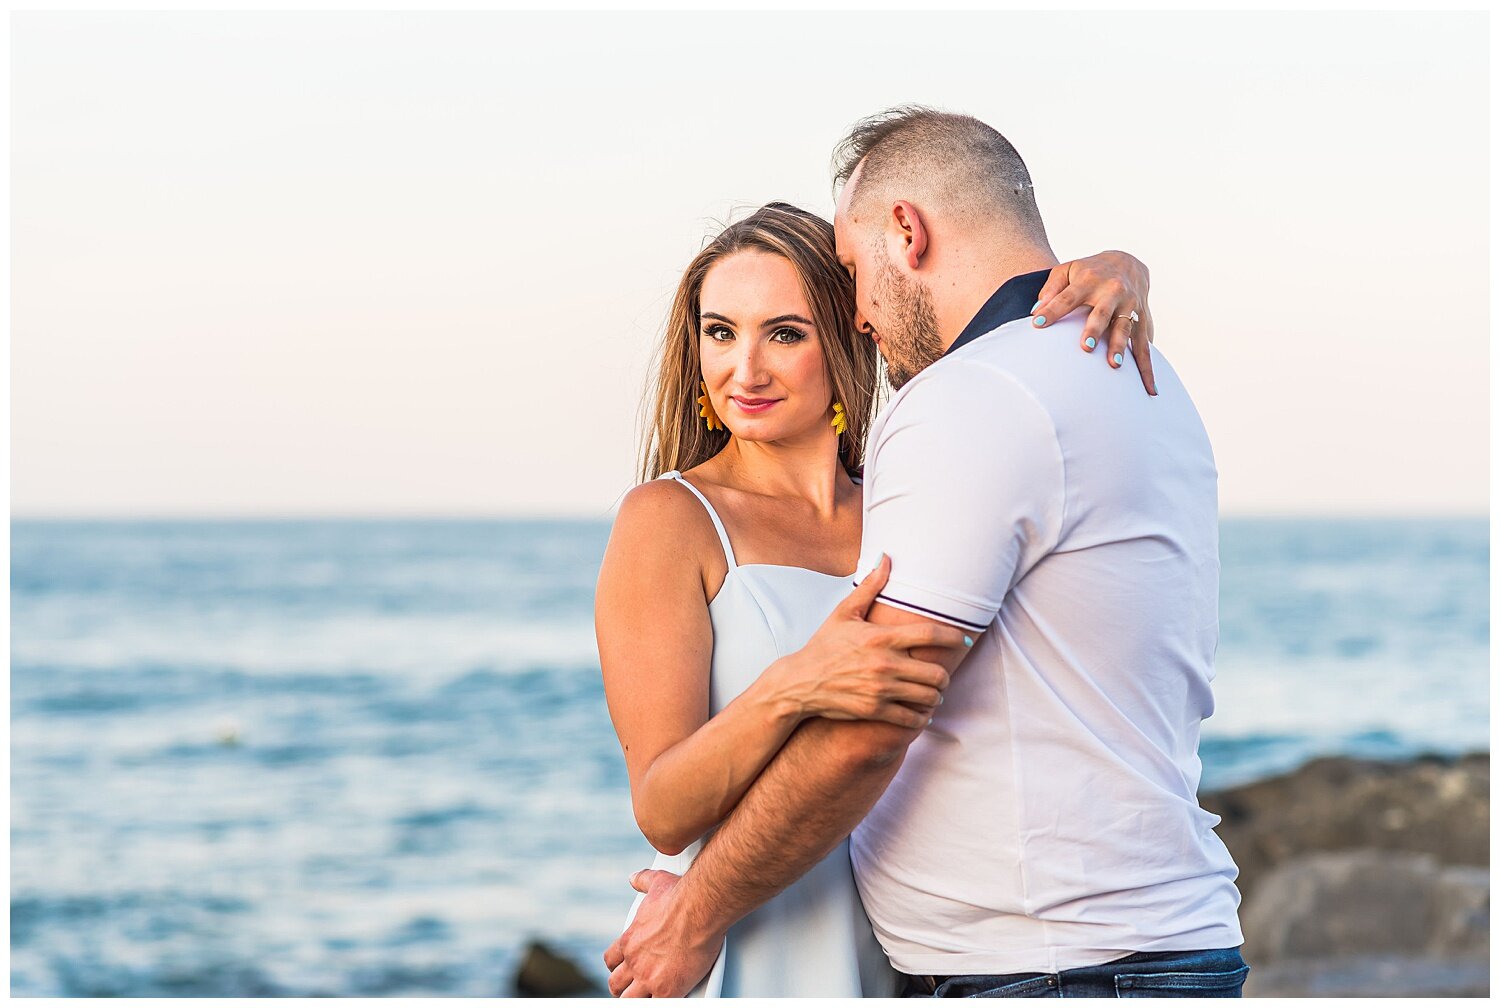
(402, 263)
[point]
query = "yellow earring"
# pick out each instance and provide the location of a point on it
(707, 412)
(840, 419)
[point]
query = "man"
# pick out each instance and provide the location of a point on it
(1043, 835)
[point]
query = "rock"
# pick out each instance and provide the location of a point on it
(1371, 976)
(1430, 805)
(545, 973)
(1364, 878)
(1368, 903)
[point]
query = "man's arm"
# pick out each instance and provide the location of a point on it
(808, 799)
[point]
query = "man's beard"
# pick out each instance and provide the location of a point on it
(912, 342)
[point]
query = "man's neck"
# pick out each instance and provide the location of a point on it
(962, 291)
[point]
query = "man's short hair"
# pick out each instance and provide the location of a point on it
(964, 163)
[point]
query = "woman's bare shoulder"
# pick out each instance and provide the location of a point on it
(659, 499)
(662, 517)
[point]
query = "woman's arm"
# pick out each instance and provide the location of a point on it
(655, 645)
(687, 770)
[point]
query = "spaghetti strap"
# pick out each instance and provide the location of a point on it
(712, 514)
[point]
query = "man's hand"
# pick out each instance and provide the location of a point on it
(1113, 284)
(660, 954)
(851, 670)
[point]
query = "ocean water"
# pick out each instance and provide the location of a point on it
(373, 758)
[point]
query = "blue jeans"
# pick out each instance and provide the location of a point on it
(1215, 973)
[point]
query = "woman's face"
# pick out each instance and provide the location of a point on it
(761, 354)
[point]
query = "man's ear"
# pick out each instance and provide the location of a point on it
(911, 232)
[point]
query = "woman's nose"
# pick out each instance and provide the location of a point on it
(749, 369)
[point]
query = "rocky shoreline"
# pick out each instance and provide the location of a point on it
(1364, 878)
(1359, 878)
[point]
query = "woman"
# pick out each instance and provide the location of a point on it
(739, 542)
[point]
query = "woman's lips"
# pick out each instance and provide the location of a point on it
(754, 405)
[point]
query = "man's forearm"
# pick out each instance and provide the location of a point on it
(816, 790)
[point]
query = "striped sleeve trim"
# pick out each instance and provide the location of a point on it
(946, 617)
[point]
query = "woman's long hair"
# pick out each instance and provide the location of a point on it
(676, 437)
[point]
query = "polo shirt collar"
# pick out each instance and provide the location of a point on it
(1012, 301)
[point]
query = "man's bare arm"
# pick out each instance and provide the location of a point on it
(812, 795)
(820, 784)
(824, 780)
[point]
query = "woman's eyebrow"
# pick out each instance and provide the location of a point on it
(764, 325)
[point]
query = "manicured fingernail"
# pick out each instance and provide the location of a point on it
(940, 699)
(968, 641)
(1040, 320)
(1091, 342)
(1034, 308)
(1119, 358)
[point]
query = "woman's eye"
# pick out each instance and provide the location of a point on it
(788, 336)
(719, 334)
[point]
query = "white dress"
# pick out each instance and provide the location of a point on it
(813, 938)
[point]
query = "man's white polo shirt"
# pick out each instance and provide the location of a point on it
(1048, 818)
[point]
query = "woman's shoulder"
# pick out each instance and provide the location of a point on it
(660, 497)
(664, 515)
